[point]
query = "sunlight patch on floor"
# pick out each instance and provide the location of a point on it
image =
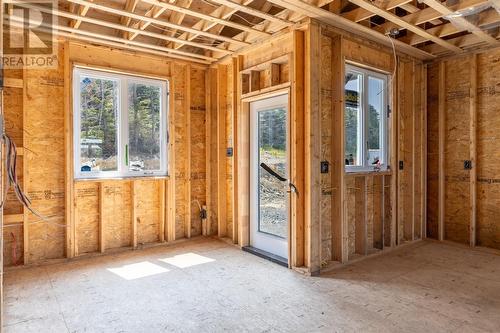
(187, 260)
(138, 270)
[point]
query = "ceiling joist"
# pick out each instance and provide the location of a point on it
(402, 23)
(461, 21)
(156, 21)
(207, 31)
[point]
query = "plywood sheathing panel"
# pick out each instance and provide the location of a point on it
(418, 150)
(275, 48)
(147, 210)
(457, 197)
(387, 210)
(367, 55)
(117, 214)
(432, 151)
(369, 204)
(198, 148)
(376, 212)
(13, 112)
(405, 150)
(464, 134)
(488, 151)
(181, 155)
(211, 142)
(230, 77)
(44, 139)
(103, 210)
(326, 104)
(87, 221)
(350, 212)
(13, 246)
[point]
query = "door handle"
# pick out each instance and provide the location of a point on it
(279, 177)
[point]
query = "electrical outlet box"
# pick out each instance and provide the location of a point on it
(229, 152)
(325, 166)
(467, 164)
(401, 165)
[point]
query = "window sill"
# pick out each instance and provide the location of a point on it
(354, 173)
(120, 179)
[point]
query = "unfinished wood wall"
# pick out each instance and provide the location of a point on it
(345, 216)
(463, 124)
(248, 74)
(363, 213)
(88, 216)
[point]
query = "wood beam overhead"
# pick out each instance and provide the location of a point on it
(130, 6)
(222, 12)
(107, 24)
(208, 18)
(489, 17)
(340, 22)
(360, 14)
(429, 14)
(402, 23)
(153, 12)
(193, 31)
(157, 21)
(254, 12)
(461, 21)
(82, 10)
(177, 18)
(70, 32)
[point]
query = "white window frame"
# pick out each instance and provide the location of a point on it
(363, 120)
(122, 127)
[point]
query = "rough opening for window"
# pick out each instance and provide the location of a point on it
(366, 126)
(120, 125)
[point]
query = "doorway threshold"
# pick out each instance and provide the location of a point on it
(266, 255)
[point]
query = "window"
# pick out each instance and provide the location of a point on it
(365, 117)
(120, 125)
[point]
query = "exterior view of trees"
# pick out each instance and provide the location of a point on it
(99, 118)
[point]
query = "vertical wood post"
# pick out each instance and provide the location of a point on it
(236, 105)
(221, 149)
(312, 143)
(473, 148)
(297, 149)
(102, 241)
(442, 142)
(339, 221)
(187, 187)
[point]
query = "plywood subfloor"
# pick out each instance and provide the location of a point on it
(206, 285)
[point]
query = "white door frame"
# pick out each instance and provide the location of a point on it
(264, 241)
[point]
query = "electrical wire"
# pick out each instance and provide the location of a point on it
(395, 61)
(12, 181)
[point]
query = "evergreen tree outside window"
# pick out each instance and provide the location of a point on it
(365, 120)
(120, 125)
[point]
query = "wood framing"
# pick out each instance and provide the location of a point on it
(297, 147)
(442, 138)
(473, 148)
(339, 229)
(208, 24)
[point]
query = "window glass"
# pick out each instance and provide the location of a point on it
(120, 125)
(365, 117)
(98, 124)
(375, 110)
(352, 118)
(144, 126)
(272, 152)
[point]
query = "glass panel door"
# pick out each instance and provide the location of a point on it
(269, 189)
(272, 191)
